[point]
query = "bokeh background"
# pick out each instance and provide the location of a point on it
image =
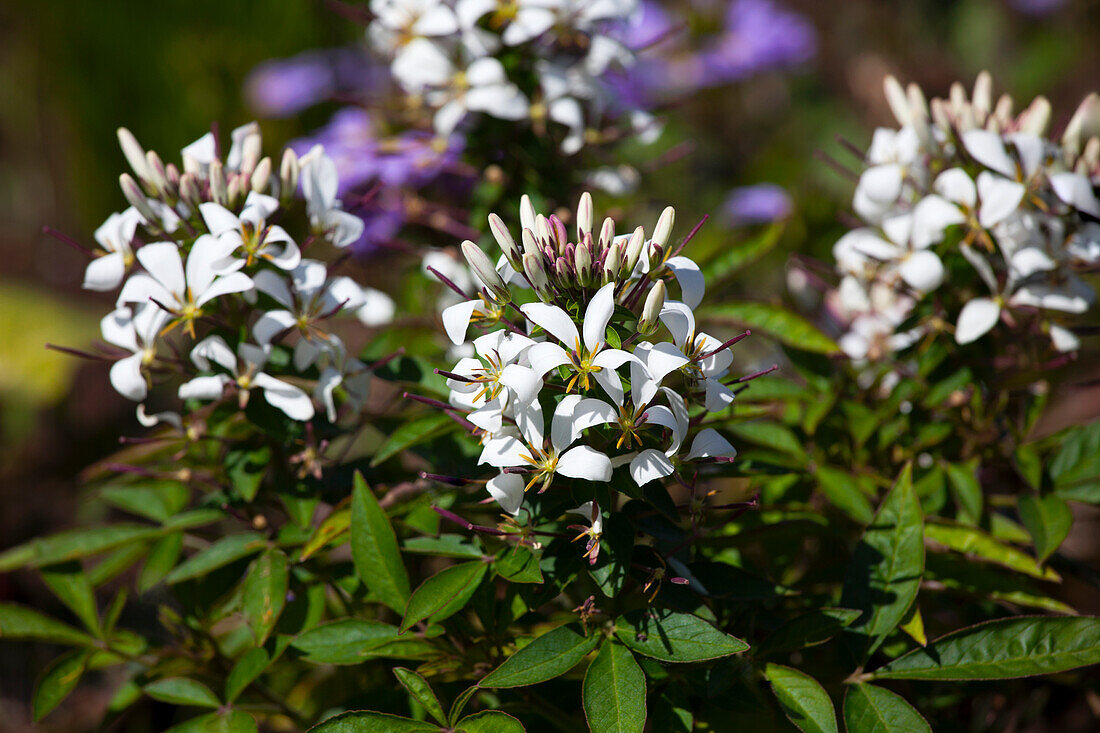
(71, 72)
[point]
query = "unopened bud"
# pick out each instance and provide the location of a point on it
(235, 188)
(920, 117)
(895, 98)
(504, 239)
(251, 150)
(157, 177)
(607, 233)
(261, 177)
(189, 190)
(583, 261)
(542, 230)
(481, 265)
(1071, 138)
(941, 114)
(584, 216)
(651, 311)
(219, 188)
(561, 236)
(982, 98)
(526, 213)
(663, 230)
(612, 262)
(1091, 154)
(1003, 111)
(1036, 117)
(634, 250)
(288, 174)
(133, 193)
(536, 274)
(172, 175)
(563, 269)
(135, 154)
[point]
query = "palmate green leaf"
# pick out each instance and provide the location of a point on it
(250, 666)
(885, 571)
(614, 692)
(182, 691)
(548, 656)
(419, 688)
(963, 479)
(18, 622)
(73, 545)
(444, 594)
(810, 629)
(843, 491)
(489, 721)
(374, 549)
(779, 323)
(1002, 649)
(221, 553)
(674, 637)
(263, 593)
(353, 641)
(803, 699)
(69, 583)
(870, 709)
(1048, 519)
(413, 433)
(229, 721)
(364, 721)
(58, 680)
(975, 542)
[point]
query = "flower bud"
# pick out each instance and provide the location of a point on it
(1071, 138)
(536, 275)
(219, 188)
(133, 193)
(633, 251)
(920, 116)
(584, 216)
(157, 177)
(172, 175)
(189, 190)
(607, 233)
(651, 311)
(562, 270)
(526, 213)
(504, 239)
(288, 175)
(235, 188)
(982, 98)
(543, 232)
(481, 265)
(261, 177)
(1036, 117)
(896, 99)
(941, 114)
(663, 230)
(251, 150)
(583, 262)
(530, 246)
(611, 262)
(561, 236)
(135, 154)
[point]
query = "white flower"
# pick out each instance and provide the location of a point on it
(136, 331)
(345, 373)
(523, 20)
(250, 232)
(495, 372)
(320, 182)
(245, 368)
(482, 86)
(893, 157)
(184, 292)
(114, 236)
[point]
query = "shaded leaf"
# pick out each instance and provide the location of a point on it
(803, 699)
(182, 691)
(263, 593)
(1048, 520)
(548, 656)
(221, 553)
(18, 622)
(490, 721)
(74, 544)
(975, 542)
(353, 641)
(870, 709)
(614, 692)
(69, 583)
(444, 594)
(963, 479)
(412, 433)
(229, 721)
(674, 637)
(162, 557)
(809, 629)
(250, 666)
(843, 491)
(419, 688)
(58, 680)
(363, 721)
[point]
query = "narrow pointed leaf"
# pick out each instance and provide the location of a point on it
(777, 322)
(444, 594)
(364, 721)
(353, 641)
(17, 622)
(674, 637)
(809, 629)
(550, 655)
(870, 709)
(1048, 520)
(162, 557)
(182, 691)
(264, 593)
(250, 666)
(489, 721)
(803, 699)
(59, 679)
(419, 688)
(69, 583)
(975, 542)
(614, 692)
(223, 552)
(374, 549)
(412, 433)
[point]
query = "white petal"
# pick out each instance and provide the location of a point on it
(290, 399)
(1075, 190)
(1000, 197)
(956, 185)
(930, 218)
(987, 148)
(975, 319)
(275, 285)
(456, 319)
(117, 327)
(562, 432)
(922, 270)
(692, 282)
(127, 380)
(718, 396)
(142, 288)
(377, 309)
(679, 320)
(162, 261)
(709, 443)
(214, 349)
(611, 383)
(523, 381)
(597, 315)
(555, 321)
(105, 273)
(507, 489)
(1063, 339)
(236, 282)
(649, 465)
(438, 21)
(590, 412)
(219, 219)
(503, 451)
(204, 388)
(584, 462)
(271, 324)
(546, 356)
(662, 359)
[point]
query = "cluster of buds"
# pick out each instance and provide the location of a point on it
(587, 368)
(969, 189)
(214, 294)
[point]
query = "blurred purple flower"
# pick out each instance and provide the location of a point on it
(650, 25)
(282, 87)
(758, 35)
(1036, 7)
(757, 204)
(382, 221)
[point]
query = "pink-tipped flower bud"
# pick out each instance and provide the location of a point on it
(288, 175)
(133, 193)
(612, 261)
(607, 233)
(663, 230)
(219, 187)
(190, 192)
(134, 153)
(505, 240)
(582, 260)
(634, 251)
(481, 265)
(536, 275)
(584, 216)
(651, 311)
(261, 177)
(526, 213)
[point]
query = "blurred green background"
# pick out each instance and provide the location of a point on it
(71, 72)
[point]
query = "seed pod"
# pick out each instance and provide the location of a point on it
(504, 239)
(651, 311)
(135, 154)
(584, 216)
(481, 265)
(133, 193)
(289, 169)
(219, 188)
(261, 177)
(663, 230)
(634, 251)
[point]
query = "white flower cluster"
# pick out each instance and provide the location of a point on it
(203, 260)
(964, 180)
(474, 56)
(597, 369)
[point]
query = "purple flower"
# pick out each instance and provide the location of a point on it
(759, 35)
(1037, 7)
(282, 87)
(760, 203)
(650, 25)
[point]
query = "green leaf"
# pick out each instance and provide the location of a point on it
(612, 566)
(412, 433)
(674, 637)
(519, 564)
(741, 255)
(421, 691)
(460, 702)
(158, 501)
(229, 721)
(444, 594)
(779, 323)
(489, 721)
(374, 549)
(263, 593)
(1002, 649)
(803, 699)
(842, 490)
(885, 571)
(245, 468)
(58, 680)
(363, 721)
(870, 709)
(614, 692)
(974, 542)
(182, 691)
(770, 435)
(69, 583)
(250, 666)
(74, 544)
(963, 479)
(223, 552)
(548, 656)
(1048, 519)
(353, 641)
(810, 629)
(334, 526)
(446, 545)
(162, 557)
(17, 622)
(957, 573)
